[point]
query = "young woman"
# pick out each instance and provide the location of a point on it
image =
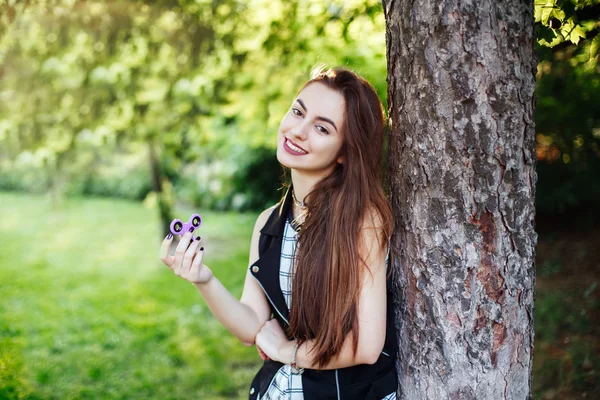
(316, 298)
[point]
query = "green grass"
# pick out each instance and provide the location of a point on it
(566, 362)
(87, 311)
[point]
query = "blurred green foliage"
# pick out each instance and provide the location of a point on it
(566, 359)
(567, 117)
(93, 86)
(560, 21)
(568, 126)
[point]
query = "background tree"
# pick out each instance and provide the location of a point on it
(100, 80)
(567, 117)
(144, 99)
(461, 77)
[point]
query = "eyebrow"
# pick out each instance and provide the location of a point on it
(318, 117)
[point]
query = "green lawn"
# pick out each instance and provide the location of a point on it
(87, 310)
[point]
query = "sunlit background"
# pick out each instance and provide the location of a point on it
(117, 116)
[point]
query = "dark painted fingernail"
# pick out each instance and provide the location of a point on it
(192, 229)
(169, 236)
(201, 248)
(197, 237)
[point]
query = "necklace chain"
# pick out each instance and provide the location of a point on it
(299, 221)
(299, 204)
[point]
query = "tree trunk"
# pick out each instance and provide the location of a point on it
(461, 77)
(164, 195)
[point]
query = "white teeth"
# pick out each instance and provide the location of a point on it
(295, 148)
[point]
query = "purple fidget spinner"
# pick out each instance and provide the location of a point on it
(180, 228)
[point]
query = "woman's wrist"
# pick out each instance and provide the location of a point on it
(204, 283)
(285, 352)
(288, 354)
(294, 363)
(202, 278)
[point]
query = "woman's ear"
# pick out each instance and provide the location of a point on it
(340, 160)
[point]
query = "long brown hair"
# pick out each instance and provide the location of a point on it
(329, 268)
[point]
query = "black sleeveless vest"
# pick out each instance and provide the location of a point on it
(360, 382)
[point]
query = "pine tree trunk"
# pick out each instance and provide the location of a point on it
(461, 77)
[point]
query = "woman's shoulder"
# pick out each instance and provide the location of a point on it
(261, 220)
(374, 227)
(372, 218)
(263, 217)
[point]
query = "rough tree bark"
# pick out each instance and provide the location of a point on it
(461, 77)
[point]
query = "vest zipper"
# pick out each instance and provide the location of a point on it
(271, 301)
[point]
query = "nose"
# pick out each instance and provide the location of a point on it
(300, 131)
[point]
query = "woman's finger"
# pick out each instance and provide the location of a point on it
(164, 255)
(188, 257)
(180, 250)
(262, 354)
(199, 273)
(197, 262)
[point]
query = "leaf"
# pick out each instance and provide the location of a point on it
(567, 27)
(576, 34)
(546, 11)
(594, 47)
(558, 14)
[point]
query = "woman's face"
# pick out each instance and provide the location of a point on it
(310, 134)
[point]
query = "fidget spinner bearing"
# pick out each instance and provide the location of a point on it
(178, 227)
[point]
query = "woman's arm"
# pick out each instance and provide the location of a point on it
(243, 318)
(371, 317)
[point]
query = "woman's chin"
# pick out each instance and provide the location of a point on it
(284, 159)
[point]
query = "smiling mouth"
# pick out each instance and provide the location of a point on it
(293, 147)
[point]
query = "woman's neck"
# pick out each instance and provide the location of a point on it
(303, 185)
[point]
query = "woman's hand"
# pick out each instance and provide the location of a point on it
(187, 260)
(271, 339)
(262, 354)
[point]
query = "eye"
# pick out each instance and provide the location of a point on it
(296, 111)
(322, 129)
